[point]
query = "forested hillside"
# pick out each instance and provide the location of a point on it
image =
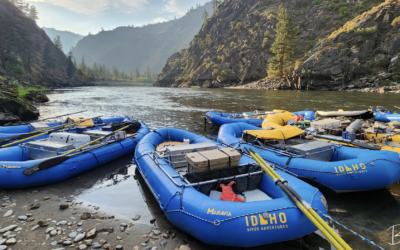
(234, 47)
(68, 39)
(29, 62)
(149, 46)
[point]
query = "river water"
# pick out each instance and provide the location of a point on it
(369, 213)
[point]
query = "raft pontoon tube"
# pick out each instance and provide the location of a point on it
(22, 129)
(30, 129)
(15, 160)
(183, 199)
(349, 169)
(226, 118)
(385, 117)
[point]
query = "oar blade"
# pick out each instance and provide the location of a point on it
(10, 138)
(52, 162)
(46, 164)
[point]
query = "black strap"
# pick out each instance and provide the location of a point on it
(94, 156)
(228, 157)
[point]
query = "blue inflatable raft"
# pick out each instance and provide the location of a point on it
(220, 119)
(22, 129)
(16, 162)
(184, 197)
(347, 170)
(386, 117)
(6, 138)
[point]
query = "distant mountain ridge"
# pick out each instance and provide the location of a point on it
(68, 39)
(142, 47)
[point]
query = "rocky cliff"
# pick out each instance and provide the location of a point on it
(29, 62)
(364, 53)
(233, 47)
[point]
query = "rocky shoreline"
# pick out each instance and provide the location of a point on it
(366, 85)
(55, 217)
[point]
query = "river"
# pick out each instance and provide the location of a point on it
(369, 213)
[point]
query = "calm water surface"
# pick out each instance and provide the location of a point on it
(369, 213)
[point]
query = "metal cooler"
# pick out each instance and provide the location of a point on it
(314, 150)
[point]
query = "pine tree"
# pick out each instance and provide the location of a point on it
(57, 42)
(131, 75)
(82, 65)
(287, 35)
(205, 15)
(70, 65)
(33, 13)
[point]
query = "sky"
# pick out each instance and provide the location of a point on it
(84, 16)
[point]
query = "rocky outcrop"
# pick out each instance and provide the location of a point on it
(233, 47)
(364, 53)
(14, 108)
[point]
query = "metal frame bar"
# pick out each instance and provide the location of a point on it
(154, 158)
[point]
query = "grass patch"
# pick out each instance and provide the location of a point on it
(24, 91)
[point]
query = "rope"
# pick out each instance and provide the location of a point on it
(218, 222)
(348, 229)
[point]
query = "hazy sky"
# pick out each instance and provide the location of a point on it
(84, 16)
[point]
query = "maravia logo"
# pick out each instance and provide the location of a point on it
(394, 235)
(212, 211)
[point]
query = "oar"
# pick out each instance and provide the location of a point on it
(324, 188)
(355, 143)
(397, 107)
(52, 117)
(28, 136)
(49, 163)
(304, 206)
(61, 116)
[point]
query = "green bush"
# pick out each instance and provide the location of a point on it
(340, 46)
(343, 12)
(256, 13)
(238, 25)
(17, 69)
(359, 7)
(256, 27)
(266, 34)
(270, 17)
(366, 31)
(317, 2)
(255, 74)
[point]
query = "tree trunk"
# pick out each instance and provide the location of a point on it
(29, 66)
(3, 58)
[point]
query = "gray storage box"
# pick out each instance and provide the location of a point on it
(96, 134)
(314, 150)
(38, 126)
(176, 154)
(45, 149)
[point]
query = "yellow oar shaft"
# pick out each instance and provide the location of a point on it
(325, 229)
(51, 128)
(65, 126)
(16, 142)
(90, 143)
(320, 227)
